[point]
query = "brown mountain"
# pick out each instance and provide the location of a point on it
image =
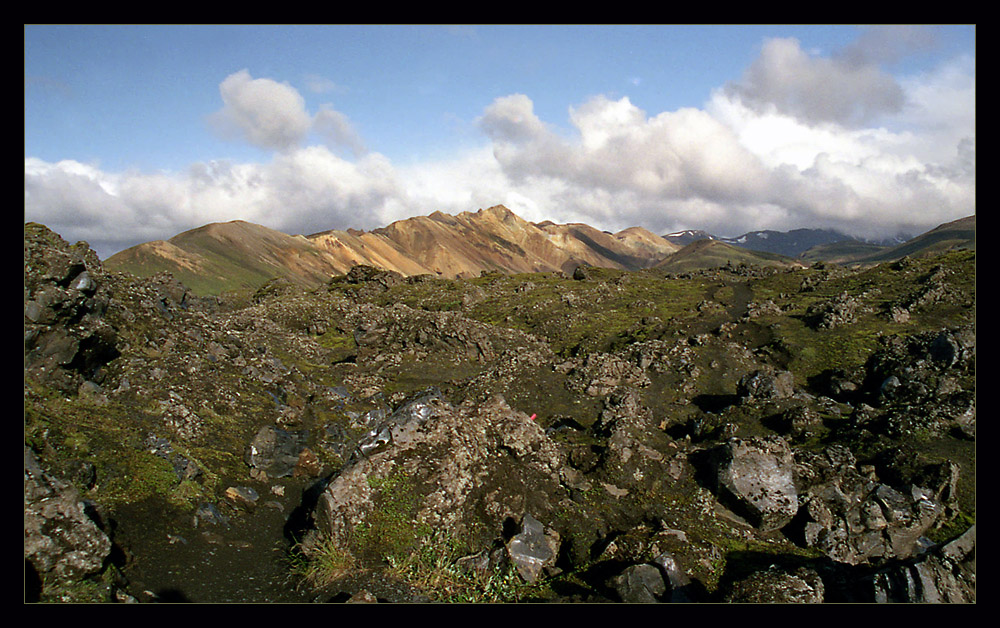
(240, 255)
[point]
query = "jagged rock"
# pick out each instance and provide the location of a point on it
(242, 496)
(640, 584)
(763, 385)
(842, 310)
(854, 519)
(680, 586)
(275, 451)
(533, 549)
(756, 477)
(61, 541)
(778, 586)
(210, 515)
(66, 337)
(601, 373)
(463, 469)
(943, 574)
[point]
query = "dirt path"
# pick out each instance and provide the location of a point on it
(171, 560)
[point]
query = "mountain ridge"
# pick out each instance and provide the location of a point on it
(239, 255)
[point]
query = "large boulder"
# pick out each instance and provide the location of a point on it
(67, 339)
(755, 477)
(430, 467)
(61, 541)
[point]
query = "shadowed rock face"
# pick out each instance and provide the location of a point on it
(67, 339)
(61, 541)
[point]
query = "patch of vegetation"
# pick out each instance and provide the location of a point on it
(390, 529)
(326, 563)
(434, 569)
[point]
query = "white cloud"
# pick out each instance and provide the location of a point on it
(336, 130)
(732, 166)
(786, 79)
(265, 113)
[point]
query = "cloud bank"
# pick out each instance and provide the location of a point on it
(797, 141)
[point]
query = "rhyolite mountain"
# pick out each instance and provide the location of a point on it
(241, 255)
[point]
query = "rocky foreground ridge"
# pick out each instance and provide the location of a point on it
(739, 434)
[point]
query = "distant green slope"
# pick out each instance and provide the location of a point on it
(841, 252)
(712, 254)
(958, 234)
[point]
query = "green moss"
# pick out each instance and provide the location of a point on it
(390, 529)
(139, 477)
(953, 528)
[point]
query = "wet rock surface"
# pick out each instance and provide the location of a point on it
(731, 435)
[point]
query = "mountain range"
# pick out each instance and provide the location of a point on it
(240, 255)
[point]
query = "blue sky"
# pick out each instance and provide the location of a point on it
(134, 133)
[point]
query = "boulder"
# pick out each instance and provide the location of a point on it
(61, 541)
(465, 469)
(777, 585)
(276, 452)
(533, 549)
(756, 478)
(640, 584)
(763, 385)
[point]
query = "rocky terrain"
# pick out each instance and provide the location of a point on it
(741, 433)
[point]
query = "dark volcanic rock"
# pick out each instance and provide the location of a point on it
(464, 469)
(275, 451)
(944, 574)
(61, 541)
(778, 586)
(854, 519)
(66, 337)
(763, 385)
(640, 584)
(756, 478)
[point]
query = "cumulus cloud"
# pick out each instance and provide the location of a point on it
(301, 191)
(273, 115)
(262, 111)
(886, 44)
(337, 130)
(845, 90)
(729, 167)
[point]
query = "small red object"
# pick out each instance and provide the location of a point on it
(533, 416)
